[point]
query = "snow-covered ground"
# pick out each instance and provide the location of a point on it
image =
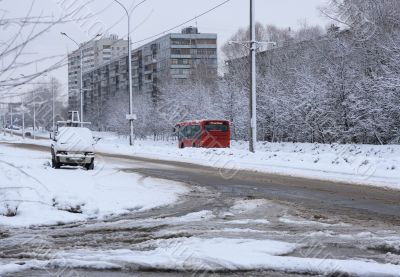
(43, 195)
(376, 165)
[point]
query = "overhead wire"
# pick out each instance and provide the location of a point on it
(183, 23)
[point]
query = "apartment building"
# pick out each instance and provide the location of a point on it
(174, 56)
(94, 54)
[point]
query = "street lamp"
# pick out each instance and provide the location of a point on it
(252, 45)
(53, 103)
(131, 116)
(81, 70)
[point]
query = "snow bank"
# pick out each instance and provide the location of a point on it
(43, 195)
(211, 254)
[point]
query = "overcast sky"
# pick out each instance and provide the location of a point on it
(155, 16)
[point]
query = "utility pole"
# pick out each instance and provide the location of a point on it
(23, 119)
(81, 70)
(131, 116)
(252, 45)
(12, 123)
(81, 83)
(4, 124)
(130, 84)
(253, 84)
(53, 113)
(34, 116)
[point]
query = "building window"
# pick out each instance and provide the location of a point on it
(206, 41)
(180, 71)
(181, 41)
(180, 61)
(206, 51)
(178, 51)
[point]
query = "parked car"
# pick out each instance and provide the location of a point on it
(73, 146)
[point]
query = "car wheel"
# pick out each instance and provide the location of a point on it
(90, 166)
(56, 164)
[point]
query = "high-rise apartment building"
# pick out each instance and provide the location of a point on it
(94, 54)
(174, 56)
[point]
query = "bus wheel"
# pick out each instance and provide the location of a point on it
(182, 145)
(194, 145)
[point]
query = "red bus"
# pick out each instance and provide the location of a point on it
(203, 133)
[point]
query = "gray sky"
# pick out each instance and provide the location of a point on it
(154, 16)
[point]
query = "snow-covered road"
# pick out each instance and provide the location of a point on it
(130, 221)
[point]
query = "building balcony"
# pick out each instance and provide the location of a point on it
(178, 56)
(184, 66)
(183, 46)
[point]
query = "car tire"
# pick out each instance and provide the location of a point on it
(90, 166)
(55, 164)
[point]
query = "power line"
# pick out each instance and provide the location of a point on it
(168, 30)
(156, 35)
(183, 23)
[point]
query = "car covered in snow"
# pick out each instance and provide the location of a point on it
(73, 146)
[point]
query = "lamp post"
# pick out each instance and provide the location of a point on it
(23, 118)
(34, 115)
(252, 45)
(53, 102)
(53, 105)
(131, 116)
(80, 75)
(4, 124)
(253, 97)
(11, 119)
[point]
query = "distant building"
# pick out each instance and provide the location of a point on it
(94, 53)
(175, 56)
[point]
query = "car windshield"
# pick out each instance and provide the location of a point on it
(75, 136)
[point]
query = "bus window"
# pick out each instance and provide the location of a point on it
(179, 132)
(196, 131)
(187, 131)
(216, 127)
